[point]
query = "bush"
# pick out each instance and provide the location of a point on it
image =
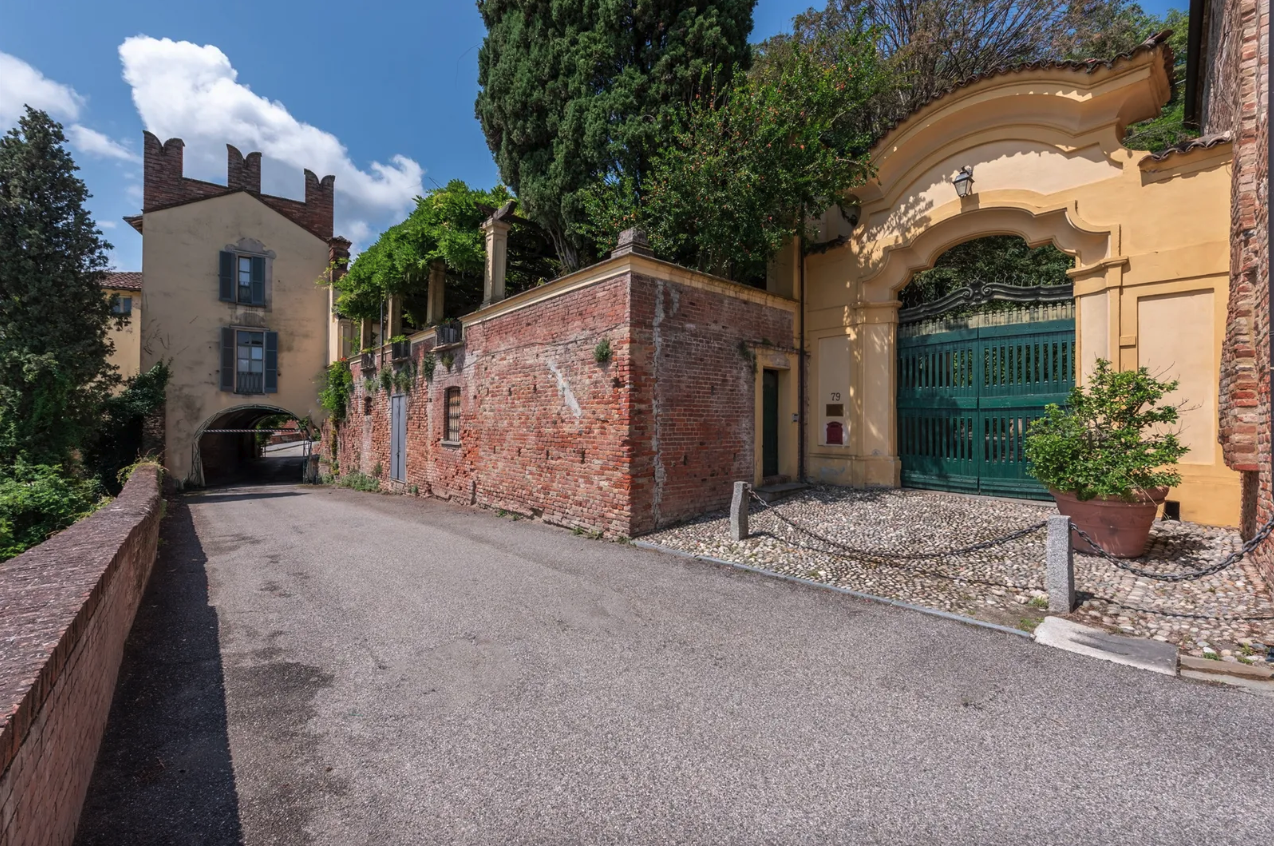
(1111, 439)
(38, 500)
(339, 384)
(120, 439)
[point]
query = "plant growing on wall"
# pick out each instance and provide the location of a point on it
(1111, 439)
(602, 352)
(338, 384)
(428, 363)
(447, 360)
(386, 379)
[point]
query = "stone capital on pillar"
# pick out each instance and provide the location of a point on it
(437, 289)
(497, 236)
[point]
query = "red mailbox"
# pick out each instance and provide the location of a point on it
(836, 433)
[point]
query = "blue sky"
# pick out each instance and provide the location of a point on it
(378, 93)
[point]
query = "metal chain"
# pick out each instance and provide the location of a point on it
(1229, 561)
(901, 556)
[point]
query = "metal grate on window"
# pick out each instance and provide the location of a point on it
(453, 415)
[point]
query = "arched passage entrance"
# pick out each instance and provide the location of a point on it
(250, 444)
(1149, 235)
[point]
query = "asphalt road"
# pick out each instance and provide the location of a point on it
(322, 666)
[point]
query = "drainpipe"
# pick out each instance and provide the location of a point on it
(800, 365)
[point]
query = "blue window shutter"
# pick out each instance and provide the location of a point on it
(227, 358)
(226, 291)
(271, 362)
(258, 280)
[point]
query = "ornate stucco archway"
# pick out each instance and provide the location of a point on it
(1149, 235)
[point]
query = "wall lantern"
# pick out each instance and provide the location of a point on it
(963, 181)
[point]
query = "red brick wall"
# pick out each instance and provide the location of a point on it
(164, 185)
(66, 607)
(656, 435)
(695, 398)
(1237, 102)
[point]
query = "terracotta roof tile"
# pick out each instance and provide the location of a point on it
(1205, 142)
(128, 281)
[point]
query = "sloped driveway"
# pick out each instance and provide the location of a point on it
(320, 666)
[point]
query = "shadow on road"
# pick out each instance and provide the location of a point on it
(163, 774)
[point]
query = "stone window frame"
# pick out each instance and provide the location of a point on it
(450, 435)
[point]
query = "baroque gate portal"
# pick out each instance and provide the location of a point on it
(968, 387)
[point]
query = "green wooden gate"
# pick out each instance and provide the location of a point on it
(967, 396)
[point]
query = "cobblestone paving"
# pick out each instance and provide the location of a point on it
(1004, 584)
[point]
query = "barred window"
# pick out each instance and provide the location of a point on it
(453, 415)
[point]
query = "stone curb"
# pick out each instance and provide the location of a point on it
(1225, 668)
(933, 612)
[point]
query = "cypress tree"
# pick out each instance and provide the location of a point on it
(573, 91)
(54, 372)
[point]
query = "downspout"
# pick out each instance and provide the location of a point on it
(800, 365)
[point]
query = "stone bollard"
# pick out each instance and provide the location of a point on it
(1059, 575)
(739, 511)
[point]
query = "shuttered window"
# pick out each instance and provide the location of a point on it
(241, 279)
(249, 361)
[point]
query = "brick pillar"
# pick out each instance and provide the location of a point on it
(437, 290)
(162, 182)
(319, 204)
(497, 235)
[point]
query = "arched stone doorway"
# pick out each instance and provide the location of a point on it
(1149, 235)
(228, 448)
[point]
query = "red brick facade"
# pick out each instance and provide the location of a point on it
(165, 186)
(1235, 100)
(656, 434)
(66, 607)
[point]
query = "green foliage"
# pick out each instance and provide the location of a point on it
(404, 378)
(444, 227)
(996, 258)
(602, 352)
(1168, 129)
(359, 482)
(386, 379)
(54, 372)
(428, 363)
(745, 170)
(1112, 438)
(575, 91)
(447, 360)
(119, 440)
(37, 500)
(338, 384)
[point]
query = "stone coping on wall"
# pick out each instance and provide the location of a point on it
(608, 269)
(48, 597)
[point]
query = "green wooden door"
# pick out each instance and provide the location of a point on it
(966, 398)
(769, 423)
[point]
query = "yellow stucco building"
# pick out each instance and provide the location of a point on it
(124, 289)
(230, 297)
(1148, 233)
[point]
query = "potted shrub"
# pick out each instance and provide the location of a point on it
(401, 347)
(1109, 456)
(449, 331)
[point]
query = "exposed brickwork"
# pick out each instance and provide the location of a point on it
(1236, 101)
(654, 436)
(164, 185)
(66, 607)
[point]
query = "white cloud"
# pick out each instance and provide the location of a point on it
(107, 224)
(22, 85)
(183, 90)
(95, 143)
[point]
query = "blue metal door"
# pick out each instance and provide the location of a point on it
(398, 437)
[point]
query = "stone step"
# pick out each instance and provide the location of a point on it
(773, 493)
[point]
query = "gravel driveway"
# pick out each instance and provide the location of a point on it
(323, 666)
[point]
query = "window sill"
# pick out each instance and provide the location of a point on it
(448, 443)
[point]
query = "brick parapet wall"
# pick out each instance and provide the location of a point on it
(66, 607)
(655, 435)
(165, 185)
(1237, 102)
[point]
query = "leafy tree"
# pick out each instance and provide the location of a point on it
(1168, 129)
(54, 370)
(745, 170)
(573, 91)
(930, 45)
(119, 440)
(445, 226)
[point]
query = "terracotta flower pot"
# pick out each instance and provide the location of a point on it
(1119, 527)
